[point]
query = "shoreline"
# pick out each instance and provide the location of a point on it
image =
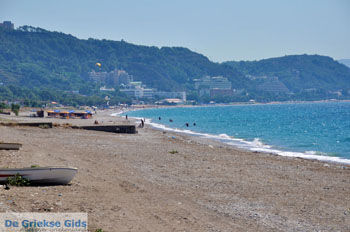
(242, 144)
(156, 181)
(233, 142)
(239, 103)
(143, 107)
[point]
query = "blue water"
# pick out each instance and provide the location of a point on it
(307, 129)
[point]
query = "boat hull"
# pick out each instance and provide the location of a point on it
(41, 175)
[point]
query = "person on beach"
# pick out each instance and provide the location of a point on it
(142, 123)
(126, 117)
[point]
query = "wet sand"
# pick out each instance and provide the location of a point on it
(156, 181)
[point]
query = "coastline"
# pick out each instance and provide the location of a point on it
(238, 143)
(246, 146)
(241, 103)
(139, 183)
(142, 107)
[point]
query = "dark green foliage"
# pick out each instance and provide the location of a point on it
(38, 66)
(301, 73)
(15, 108)
(46, 63)
(17, 180)
(52, 59)
(3, 106)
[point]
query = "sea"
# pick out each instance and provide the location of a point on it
(308, 130)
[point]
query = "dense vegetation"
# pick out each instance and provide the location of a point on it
(38, 65)
(300, 72)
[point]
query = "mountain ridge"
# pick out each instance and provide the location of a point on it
(38, 59)
(345, 62)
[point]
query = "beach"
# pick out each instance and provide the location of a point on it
(162, 181)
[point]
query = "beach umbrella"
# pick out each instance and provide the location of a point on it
(71, 111)
(57, 111)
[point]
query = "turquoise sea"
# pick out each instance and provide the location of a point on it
(310, 130)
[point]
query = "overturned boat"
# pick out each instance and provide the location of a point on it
(10, 146)
(40, 175)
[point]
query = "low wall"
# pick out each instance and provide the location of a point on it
(127, 129)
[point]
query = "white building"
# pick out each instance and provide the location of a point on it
(206, 85)
(207, 82)
(181, 95)
(138, 92)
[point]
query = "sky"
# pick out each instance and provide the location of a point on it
(222, 30)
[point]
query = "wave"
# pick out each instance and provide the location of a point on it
(256, 145)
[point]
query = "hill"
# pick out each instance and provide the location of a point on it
(62, 61)
(345, 62)
(300, 74)
(43, 65)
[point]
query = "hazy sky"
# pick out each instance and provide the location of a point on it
(220, 29)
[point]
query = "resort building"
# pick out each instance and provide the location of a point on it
(170, 101)
(124, 78)
(220, 92)
(218, 82)
(115, 77)
(213, 86)
(135, 92)
(139, 91)
(272, 84)
(104, 89)
(148, 93)
(133, 89)
(180, 95)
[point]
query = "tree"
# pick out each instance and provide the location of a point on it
(15, 108)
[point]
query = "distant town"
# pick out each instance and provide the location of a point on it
(211, 86)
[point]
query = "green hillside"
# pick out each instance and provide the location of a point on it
(62, 61)
(300, 72)
(41, 65)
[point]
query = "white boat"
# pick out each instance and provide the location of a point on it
(41, 175)
(10, 146)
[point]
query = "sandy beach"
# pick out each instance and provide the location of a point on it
(157, 181)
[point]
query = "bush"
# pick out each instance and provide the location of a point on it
(17, 180)
(15, 108)
(3, 106)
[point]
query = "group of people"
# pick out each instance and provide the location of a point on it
(143, 120)
(186, 124)
(142, 124)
